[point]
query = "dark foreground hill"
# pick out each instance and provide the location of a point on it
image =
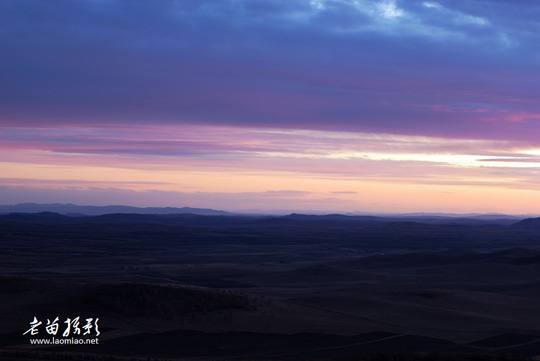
(531, 223)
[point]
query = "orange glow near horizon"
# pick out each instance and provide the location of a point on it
(280, 170)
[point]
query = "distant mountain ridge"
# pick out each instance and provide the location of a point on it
(71, 213)
(225, 220)
(73, 209)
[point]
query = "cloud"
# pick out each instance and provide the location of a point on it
(389, 9)
(74, 183)
(285, 194)
(326, 65)
(456, 15)
(211, 158)
(294, 92)
(167, 147)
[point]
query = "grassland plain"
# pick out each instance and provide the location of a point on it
(273, 288)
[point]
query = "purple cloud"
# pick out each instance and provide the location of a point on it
(448, 69)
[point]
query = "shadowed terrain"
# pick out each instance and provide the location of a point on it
(206, 287)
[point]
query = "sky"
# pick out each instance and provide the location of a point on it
(384, 106)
